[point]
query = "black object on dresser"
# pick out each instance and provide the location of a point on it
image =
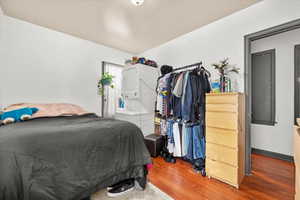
(154, 144)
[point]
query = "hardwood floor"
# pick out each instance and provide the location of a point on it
(270, 179)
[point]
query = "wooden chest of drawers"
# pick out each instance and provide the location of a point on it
(225, 137)
(297, 161)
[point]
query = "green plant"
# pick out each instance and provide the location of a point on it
(224, 68)
(106, 80)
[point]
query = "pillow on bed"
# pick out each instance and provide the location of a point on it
(17, 115)
(50, 110)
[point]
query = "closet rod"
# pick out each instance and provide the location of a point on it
(188, 66)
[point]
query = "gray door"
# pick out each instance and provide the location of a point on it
(263, 88)
(297, 82)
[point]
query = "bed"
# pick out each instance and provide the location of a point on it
(68, 157)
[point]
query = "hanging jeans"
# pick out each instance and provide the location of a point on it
(185, 79)
(174, 138)
(185, 141)
(195, 142)
(170, 135)
(198, 142)
(187, 105)
(177, 140)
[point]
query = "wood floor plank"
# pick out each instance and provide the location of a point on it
(271, 179)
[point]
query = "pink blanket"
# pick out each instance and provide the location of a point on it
(50, 110)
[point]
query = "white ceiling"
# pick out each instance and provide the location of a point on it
(118, 23)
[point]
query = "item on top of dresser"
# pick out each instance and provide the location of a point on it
(151, 63)
(224, 69)
(134, 60)
(215, 86)
(17, 115)
(141, 60)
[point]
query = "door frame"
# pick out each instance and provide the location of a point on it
(248, 77)
(296, 89)
(103, 63)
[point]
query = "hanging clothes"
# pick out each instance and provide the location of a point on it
(177, 140)
(163, 90)
(163, 127)
(193, 101)
(182, 102)
(185, 141)
(162, 94)
(185, 79)
(195, 146)
(175, 102)
(171, 142)
(174, 138)
(187, 104)
(178, 88)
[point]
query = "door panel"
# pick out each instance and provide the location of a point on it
(263, 87)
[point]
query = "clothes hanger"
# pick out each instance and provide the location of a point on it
(205, 71)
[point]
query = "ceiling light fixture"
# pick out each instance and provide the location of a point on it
(137, 2)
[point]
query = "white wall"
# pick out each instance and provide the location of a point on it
(1, 31)
(279, 138)
(225, 37)
(1, 14)
(41, 65)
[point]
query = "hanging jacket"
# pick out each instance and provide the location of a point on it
(175, 102)
(193, 104)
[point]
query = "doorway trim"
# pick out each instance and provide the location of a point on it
(248, 76)
(296, 89)
(103, 63)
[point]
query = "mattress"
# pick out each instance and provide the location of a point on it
(68, 158)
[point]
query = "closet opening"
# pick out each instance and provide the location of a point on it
(272, 79)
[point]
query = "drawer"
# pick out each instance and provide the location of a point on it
(222, 136)
(297, 187)
(297, 179)
(222, 154)
(222, 99)
(223, 120)
(222, 172)
(297, 146)
(222, 108)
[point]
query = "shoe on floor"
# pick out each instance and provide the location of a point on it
(121, 189)
(119, 184)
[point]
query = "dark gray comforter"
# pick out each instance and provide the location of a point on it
(68, 158)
